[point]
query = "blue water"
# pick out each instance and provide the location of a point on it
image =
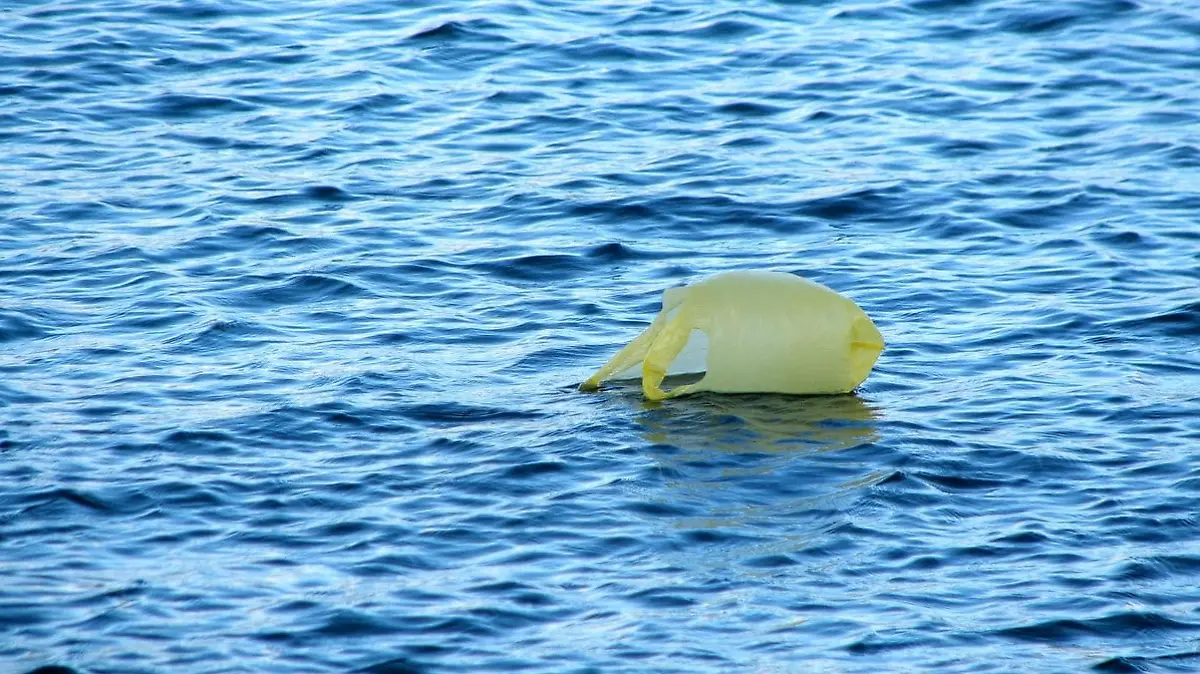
(294, 297)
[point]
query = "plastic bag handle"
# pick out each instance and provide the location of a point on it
(631, 355)
(635, 351)
(666, 347)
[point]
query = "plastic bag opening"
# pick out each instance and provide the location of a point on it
(692, 360)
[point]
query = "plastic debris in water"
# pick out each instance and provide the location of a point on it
(756, 332)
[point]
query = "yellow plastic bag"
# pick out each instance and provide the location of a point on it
(766, 332)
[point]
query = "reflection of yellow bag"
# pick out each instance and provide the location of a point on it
(766, 332)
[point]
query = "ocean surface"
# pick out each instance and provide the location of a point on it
(295, 297)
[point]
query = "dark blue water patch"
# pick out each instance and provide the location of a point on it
(6, 441)
(1127, 240)
(221, 335)
(83, 499)
(69, 504)
(91, 211)
(474, 30)
(619, 210)
(201, 442)
(377, 104)
(545, 125)
(184, 106)
(944, 5)
(875, 644)
(454, 413)
(1175, 662)
(1068, 631)
(391, 565)
(299, 289)
(1159, 568)
(769, 562)
(53, 669)
(702, 215)
(392, 666)
(311, 423)
(755, 141)
(953, 482)
(517, 97)
(1042, 22)
(1183, 156)
(535, 469)
(966, 148)
(953, 33)
(1026, 21)
(603, 51)
(661, 599)
(15, 90)
(880, 14)
(549, 358)
(856, 204)
(327, 193)
(539, 268)
(618, 252)
(1051, 214)
(1082, 82)
(1180, 321)
(748, 110)
(15, 327)
(198, 488)
(311, 194)
(724, 29)
(198, 10)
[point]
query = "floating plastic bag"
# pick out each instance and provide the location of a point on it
(766, 332)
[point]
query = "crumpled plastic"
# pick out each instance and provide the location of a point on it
(759, 332)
